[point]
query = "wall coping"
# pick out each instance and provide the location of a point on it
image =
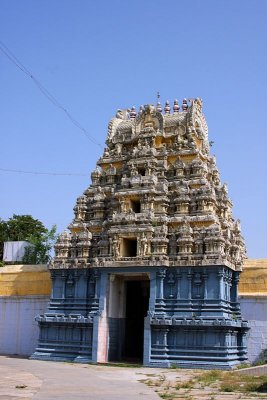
(253, 296)
(255, 263)
(14, 269)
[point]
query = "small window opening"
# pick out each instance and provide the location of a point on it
(129, 247)
(141, 171)
(136, 206)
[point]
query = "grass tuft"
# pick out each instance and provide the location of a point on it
(210, 377)
(185, 385)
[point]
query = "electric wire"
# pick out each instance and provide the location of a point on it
(5, 50)
(19, 171)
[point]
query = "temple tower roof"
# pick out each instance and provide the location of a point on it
(156, 198)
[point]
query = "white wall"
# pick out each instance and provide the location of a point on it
(254, 309)
(18, 330)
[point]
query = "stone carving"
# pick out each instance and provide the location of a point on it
(116, 248)
(144, 178)
(156, 210)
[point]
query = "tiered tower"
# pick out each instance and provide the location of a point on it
(151, 265)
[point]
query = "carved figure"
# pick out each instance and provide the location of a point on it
(116, 248)
(144, 245)
(179, 187)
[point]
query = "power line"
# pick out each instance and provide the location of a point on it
(5, 50)
(19, 171)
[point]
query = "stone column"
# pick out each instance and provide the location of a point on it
(227, 336)
(53, 277)
(205, 278)
(171, 283)
(229, 284)
(189, 278)
(244, 339)
(157, 336)
(235, 282)
(178, 278)
(95, 303)
(85, 283)
(63, 277)
(165, 339)
(75, 280)
(221, 292)
(161, 275)
(96, 278)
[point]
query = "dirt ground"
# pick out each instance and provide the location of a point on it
(206, 385)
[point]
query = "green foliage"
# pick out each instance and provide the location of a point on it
(39, 252)
(20, 227)
(25, 227)
(212, 383)
(234, 382)
(3, 236)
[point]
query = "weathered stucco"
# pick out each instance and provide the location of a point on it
(24, 280)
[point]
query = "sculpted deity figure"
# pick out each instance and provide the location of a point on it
(118, 148)
(96, 261)
(144, 245)
(123, 205)
(133, 170)
(116, 248)
(99, 195)
(183, 187)
(225, 189)
(121, 114)
(106, 152)
(148, 168)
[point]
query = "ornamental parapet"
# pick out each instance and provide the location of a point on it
(196, 219)
(149, 261)
(69, 264)
(173, 321)
(64, 319)
(132, 216)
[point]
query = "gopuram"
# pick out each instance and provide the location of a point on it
(150, 268)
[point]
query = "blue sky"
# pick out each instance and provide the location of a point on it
(96, 57)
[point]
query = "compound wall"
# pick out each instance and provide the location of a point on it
(24, 293)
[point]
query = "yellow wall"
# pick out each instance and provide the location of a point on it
(23, 280)
(253, 280)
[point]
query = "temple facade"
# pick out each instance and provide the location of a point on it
(149, 269)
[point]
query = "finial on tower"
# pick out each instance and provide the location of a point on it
(167, 107)
(184, 105)
(176, 106)
(133, 112)
(158, 107)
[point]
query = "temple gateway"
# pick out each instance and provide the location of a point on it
(149, 271)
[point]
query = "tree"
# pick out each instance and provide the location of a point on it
(39, 250)
(3, 236)
(25, 227)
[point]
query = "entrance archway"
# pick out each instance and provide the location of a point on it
(128, 305)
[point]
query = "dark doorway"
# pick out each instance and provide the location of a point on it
(141, 171)
(129, 247)
(137, 298)
(136, 206)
